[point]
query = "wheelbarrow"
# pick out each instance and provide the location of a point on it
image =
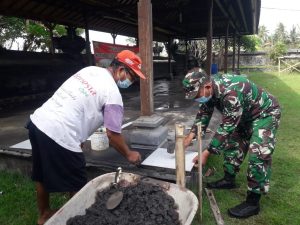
(185, 199)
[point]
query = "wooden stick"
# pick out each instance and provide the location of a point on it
(180, 155)
(214, 206)
(200, 167)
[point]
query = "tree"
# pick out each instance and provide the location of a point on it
(278, 50)
(280, 34)
(11, 29)
(250, 43)
(294, 37)
(263, 35)
(35, 35)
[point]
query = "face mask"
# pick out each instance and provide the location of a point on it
(124, 84)
(203, 99)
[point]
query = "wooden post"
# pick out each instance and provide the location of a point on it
(233, 54)
(214, 207)
(114, 35)
(169, 59)
(209, 37)
(180, 155)
(239, 52)
(145, 46)
(50, 27)
(87, 42)
(226, 50)
(186, 56)
(200, 166)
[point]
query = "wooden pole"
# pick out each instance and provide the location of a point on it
(233, 53)
(278, 65)
(214, 206)
(186, 55)
(209, 37)
(145, 46)
(200, 167)
(169, 59)
(226, 50)
(239, 52)
(114, 35)
(180, 155)
(87, 41)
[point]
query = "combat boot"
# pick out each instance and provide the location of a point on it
(248, 208)
(227, 182)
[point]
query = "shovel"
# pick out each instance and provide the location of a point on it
(115, 198)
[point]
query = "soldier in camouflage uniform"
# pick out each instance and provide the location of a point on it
(250, 119)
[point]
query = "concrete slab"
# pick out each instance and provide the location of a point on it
(143, 136)
(148, 121)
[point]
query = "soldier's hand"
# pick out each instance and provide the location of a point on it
(134, 157)
(205, 155)
(188, 140)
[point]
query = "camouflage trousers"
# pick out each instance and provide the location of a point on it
(257, 138)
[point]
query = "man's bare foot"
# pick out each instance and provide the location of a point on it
(45, 216)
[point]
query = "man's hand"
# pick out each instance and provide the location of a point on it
(188, 139)
(134, 157)
(205, 155)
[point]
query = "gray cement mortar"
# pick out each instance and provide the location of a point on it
(142, 204)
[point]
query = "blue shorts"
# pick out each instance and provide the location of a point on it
(57, 168)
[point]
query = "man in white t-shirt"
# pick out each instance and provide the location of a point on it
(87, 100)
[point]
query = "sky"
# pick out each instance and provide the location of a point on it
(275, 11)
(106, 37)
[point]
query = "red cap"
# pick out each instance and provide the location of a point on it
(131, 60)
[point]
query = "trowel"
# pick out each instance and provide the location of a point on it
(115, 198)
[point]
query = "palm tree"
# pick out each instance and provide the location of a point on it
(263, 34)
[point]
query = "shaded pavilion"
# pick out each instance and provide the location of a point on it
(147, 21)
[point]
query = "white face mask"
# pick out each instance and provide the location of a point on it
(124, 84)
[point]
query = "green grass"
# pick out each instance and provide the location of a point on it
(18, 201)
(280, 206)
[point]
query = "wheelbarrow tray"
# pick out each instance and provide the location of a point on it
(185, 199)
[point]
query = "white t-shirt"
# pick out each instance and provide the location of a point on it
(84, 102)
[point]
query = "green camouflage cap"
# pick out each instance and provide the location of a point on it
(193, 81)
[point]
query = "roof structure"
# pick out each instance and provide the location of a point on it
(183, 19)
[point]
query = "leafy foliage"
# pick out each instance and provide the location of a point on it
(278, 50)
(34, 35)
(280, 34)
(250, 42)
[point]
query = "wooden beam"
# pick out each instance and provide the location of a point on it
(243, 14)
(200, 167)
(186, 55)
(233, 54)
(214, 206)
(87, 41)
(239, 52)
(145, 46)
(169, 59)
(114, 35)
(224, 9)
(209, 37)
(226, 50)
(180, 155)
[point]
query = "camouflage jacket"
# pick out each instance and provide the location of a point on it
(240, 101)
